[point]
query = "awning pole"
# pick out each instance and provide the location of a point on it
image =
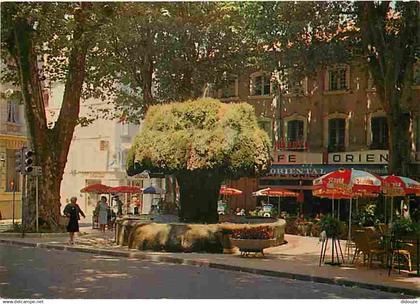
(338, 209)
(351, 202)
(392, 207)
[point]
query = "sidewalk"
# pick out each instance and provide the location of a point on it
(296, 260)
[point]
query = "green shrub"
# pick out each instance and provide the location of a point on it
(331, 226)
(367, 217)
(403, 227)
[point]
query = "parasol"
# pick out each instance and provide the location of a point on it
(393, 185)
(278, 192)
(226, 191)
(96, 188)
(125, 189)
(153, 190)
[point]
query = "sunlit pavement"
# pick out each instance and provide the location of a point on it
(41, 273)
(298, 259)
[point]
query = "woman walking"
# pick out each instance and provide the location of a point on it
(72, 211)
(103, 210)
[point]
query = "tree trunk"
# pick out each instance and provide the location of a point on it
(399, 141)
(199, 191)
(51, 146)
(391, 60)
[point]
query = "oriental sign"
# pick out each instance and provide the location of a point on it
(359, 157)
(316, 170)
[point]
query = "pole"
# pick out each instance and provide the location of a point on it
(13, 201)
(278, 212)
(357, 205)
(23, 204)
(349, 237)
(338, 209)
(332, 211)
(36, 203)
(392, 207)
(386, 219)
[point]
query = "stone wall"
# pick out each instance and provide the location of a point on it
(180, 237)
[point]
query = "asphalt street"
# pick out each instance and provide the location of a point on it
(40, 273)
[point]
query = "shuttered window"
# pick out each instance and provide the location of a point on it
(336, 134)
(379, 129)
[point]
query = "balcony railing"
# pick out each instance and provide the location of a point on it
(293, 145)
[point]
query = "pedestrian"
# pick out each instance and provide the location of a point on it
(119, 204)
(73, 211)
(103, 210)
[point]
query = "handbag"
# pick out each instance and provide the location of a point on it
(64, 220)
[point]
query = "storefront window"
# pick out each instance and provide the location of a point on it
(336, 134)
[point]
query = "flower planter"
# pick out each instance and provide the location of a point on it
(247, 246)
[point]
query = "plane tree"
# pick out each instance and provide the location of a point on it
(201, 142)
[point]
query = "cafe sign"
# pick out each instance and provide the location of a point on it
(359, 157)
(297, 158)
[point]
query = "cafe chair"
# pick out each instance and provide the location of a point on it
(401, 253)
(367, 246)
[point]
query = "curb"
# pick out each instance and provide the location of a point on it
(33, 234)
(182, 261)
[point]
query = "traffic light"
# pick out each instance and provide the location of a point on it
(29, 161)
(19, 161)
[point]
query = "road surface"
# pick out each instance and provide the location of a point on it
(41, 273)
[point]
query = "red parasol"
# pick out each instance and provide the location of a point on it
(125, 189)
(229, 191)
(393, 185)
(346, 180)
(278, 192)
(96, 188)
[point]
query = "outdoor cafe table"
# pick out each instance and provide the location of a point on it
(395, 243)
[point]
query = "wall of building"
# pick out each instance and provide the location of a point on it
(12, 138)
(357, 104)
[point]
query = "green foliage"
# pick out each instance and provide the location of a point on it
(331, 226)
(203, 134)
(367, 216)
(403, 227)
(153, 53)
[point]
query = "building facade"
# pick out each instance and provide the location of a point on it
(97, 154)
(12, 138)
(332, 119)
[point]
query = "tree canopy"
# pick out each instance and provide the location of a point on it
(201, 142)
(202, 134)
(153, 53)
(42, 43)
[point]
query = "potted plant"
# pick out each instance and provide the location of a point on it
(404, 227)
(331, 226)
